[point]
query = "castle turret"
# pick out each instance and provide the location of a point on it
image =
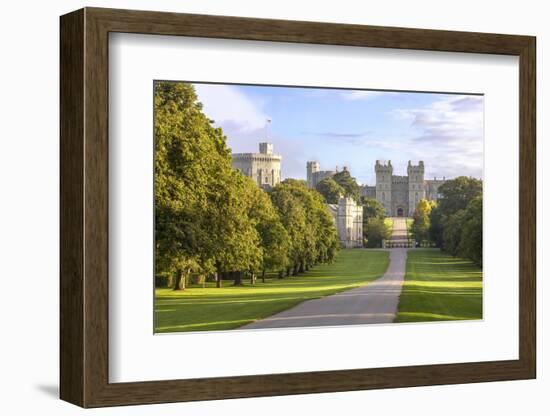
(312, 167)
(264, 167)
(384, 174)
(266, 148)
(417, 189)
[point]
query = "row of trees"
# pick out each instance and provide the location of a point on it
(210, 219)
(455, 222)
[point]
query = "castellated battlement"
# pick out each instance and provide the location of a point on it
(264, 167)
(400, 179)
(256, 157)
(415, 169)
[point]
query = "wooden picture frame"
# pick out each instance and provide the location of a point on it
(84, 207)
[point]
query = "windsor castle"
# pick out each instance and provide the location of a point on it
(398, 194)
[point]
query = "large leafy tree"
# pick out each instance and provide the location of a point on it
(457, 193)
(202, 206)
(452, 232)
(275, 241)
(348, 183)
(374, 231)
(293, 215)
(236, 244)
(436, 226)
(372, 208)
(313, 236)
(330, 190)
(421, 220)
(471, 244)
(189, 152)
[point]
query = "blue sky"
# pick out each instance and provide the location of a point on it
(352, 128)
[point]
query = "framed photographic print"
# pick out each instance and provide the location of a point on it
(255, 207)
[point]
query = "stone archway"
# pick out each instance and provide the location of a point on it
(399, 211)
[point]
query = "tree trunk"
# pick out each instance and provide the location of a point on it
(252, 278)
(295, 270)
(281, 274)
(238, 278)
(287, 271)
(301, 267)
(180, 280)
(263, 276)
(218, 280)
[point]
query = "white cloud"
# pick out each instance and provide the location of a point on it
(448, 120)
(449, 135)
(225, 104)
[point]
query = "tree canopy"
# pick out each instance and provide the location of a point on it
(308, 222)
(211, 219)
(421, 220)
(330, 190)
(457, 193)
(456, 221)
(372, 208)
(348, 183)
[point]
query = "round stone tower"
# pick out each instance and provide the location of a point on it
(264, 167)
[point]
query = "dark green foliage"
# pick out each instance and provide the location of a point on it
(330, 190)
(375, 231)
(348, 183)
(457, 193)
(452, 233)
(436, 226)
(372, 208)
(471, 244)
(456, 222)
(304, 215)
(209, 219)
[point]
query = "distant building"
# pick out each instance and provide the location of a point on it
(398, 194)
(316, 175)
(348, 217)
(401, 194)
(263, 167)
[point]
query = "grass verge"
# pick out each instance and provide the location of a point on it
(439, 287)
(210, 308)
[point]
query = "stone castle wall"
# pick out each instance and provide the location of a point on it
(348, 218)
(263, 167)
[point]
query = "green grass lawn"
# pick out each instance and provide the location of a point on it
(210, 308)
(440, 287)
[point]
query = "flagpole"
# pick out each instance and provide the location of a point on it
(267, 124)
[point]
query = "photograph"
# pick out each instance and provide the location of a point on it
(280, 206)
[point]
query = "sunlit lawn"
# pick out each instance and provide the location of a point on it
(210, 308)
(440, 287)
